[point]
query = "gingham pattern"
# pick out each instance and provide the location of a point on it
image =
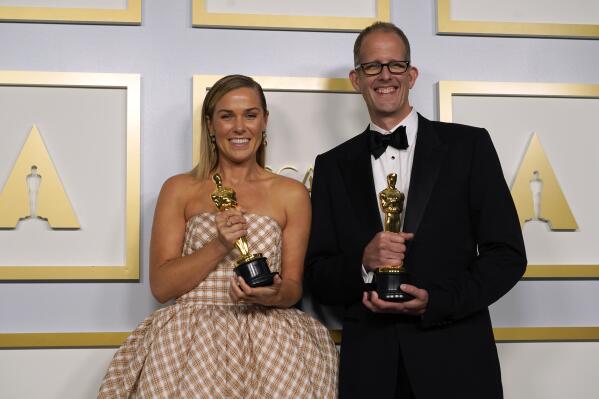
(264, 236)
(201, 349)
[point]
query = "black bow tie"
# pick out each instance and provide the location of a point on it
(379, 142)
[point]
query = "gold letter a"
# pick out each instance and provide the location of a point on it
(537, 193)
(49, 201)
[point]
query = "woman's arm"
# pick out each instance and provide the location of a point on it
(298, 212)
(172, 275)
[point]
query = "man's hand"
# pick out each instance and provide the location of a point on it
(385, 249)
(414, 307)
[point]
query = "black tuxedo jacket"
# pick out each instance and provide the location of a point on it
(467, 252)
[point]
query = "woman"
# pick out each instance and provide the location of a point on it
(223, 339)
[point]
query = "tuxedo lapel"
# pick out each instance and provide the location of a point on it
(356, 170)
(428, 157)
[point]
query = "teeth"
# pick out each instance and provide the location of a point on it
(385, 90)
(239, 141)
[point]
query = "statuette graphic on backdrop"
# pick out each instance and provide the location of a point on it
(537, 193)
(34, 190)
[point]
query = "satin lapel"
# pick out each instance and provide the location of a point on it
(430, 151)
(356, 170)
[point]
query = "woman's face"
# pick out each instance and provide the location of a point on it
(237, 123)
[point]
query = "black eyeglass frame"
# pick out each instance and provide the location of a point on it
(381, 66)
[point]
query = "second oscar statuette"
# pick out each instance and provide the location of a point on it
(252, 267)
(389, 278)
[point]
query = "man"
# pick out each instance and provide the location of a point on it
(463, 246)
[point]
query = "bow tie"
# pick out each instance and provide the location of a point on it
(379, 142)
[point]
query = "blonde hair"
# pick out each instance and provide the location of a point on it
(208, 151)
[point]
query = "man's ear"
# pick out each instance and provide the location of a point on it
(413, 75)
(354, 79)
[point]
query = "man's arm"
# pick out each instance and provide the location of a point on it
(332, 273)
(501, 259)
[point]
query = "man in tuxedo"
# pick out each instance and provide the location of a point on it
(461, 240)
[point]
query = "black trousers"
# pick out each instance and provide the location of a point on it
(403, 388)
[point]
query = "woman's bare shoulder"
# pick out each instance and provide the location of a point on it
(180, 186)
(289, 189)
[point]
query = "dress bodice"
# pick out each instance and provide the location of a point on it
(263, 236)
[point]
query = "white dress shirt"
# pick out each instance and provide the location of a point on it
(394, 161)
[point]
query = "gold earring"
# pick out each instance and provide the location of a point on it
(212, 142)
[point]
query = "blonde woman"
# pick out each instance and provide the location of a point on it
(222, 338)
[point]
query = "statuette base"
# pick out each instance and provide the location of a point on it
(254, 270)
(387, 281)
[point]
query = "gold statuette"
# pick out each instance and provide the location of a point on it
(388, 279)
(392, 204)
(225, 198)
(392, 200)
(252, 267)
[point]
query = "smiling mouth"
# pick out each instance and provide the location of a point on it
(239, 141)
(386, 90)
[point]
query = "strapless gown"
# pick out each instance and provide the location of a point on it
(206, 346)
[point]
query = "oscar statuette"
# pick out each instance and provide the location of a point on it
(252, 267)
(389, 278)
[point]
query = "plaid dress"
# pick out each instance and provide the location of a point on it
(206, 346)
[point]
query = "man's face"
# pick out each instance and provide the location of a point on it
(386, 94)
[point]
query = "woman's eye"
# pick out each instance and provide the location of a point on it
(251, 116)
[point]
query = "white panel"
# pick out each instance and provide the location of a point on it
(84, 131)
(71, 307)
(541, 11)
(53, 373)
(548, 304)
(555, 370)
(567, 129)
(336, 8)
(325, 120)
(109, 4)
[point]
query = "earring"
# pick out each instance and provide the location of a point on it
(264, 142)
(212, 142)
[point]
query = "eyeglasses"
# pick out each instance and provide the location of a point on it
(374, 68)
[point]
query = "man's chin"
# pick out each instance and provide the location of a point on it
(388, 110)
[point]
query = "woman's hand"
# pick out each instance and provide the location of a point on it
(239, 291)
(231, 225)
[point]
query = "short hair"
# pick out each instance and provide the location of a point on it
(380, 27)
(208, 156)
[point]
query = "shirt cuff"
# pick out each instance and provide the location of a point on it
(367, 276)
